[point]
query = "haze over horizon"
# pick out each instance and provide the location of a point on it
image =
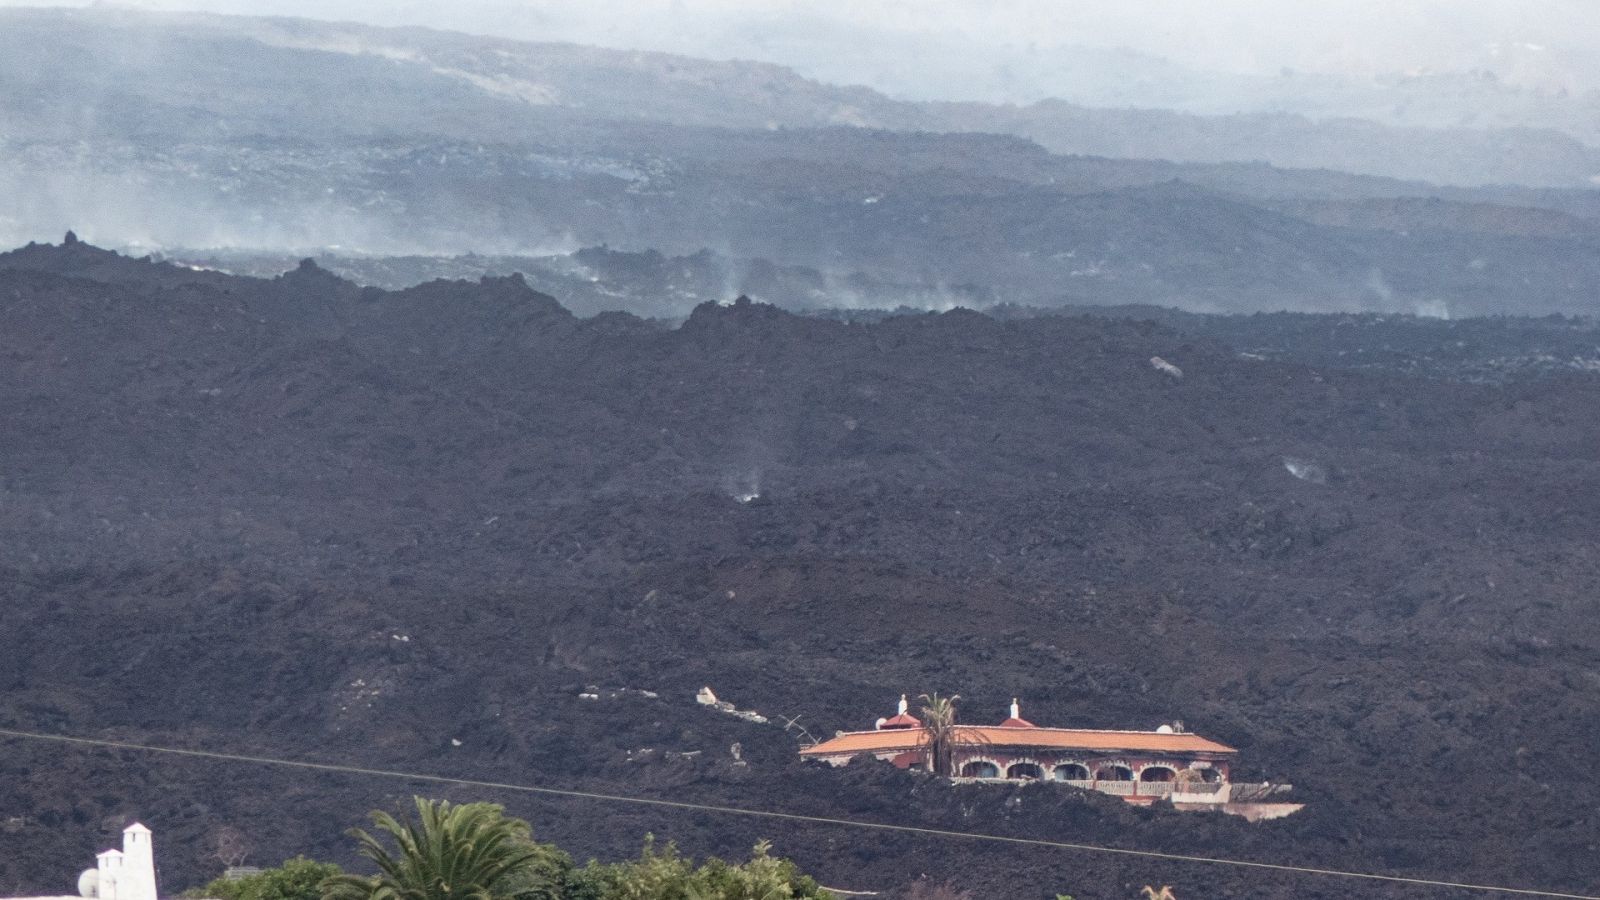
(1152, 183)
(1025, 50)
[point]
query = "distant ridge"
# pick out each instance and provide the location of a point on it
(490, 89)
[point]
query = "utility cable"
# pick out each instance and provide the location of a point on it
(791, 817)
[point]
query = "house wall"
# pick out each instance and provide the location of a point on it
(1047, 761)
(1003, 759)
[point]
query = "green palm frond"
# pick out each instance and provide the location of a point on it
(452, 852)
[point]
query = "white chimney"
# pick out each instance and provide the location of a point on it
(138, 879)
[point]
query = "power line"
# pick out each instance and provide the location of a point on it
(771, 814)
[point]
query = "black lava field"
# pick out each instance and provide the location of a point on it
(413, 529)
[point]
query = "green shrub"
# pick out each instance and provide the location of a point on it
(296, 879)
(545, 877)
(667, 875)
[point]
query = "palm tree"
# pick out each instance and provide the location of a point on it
(454, 852)
(1165, 893)
(939, 720)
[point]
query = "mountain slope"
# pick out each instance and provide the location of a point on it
(295, 516)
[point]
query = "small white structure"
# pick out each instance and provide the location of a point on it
(126, 874)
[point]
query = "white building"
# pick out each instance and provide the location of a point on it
(126, 874)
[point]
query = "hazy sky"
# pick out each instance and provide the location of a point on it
(898, 46)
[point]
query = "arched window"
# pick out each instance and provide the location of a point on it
(1157, 773)
(1072, 772)
(1025, 770)
(980, 769)
(1113, 772)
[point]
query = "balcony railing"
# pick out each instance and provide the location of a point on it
(1193, 792)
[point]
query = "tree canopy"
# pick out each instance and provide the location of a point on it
(470, 851)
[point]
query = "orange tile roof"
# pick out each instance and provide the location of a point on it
(1038, 738)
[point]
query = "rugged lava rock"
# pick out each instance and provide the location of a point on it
(410, 529)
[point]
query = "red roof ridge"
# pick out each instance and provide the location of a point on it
(1058, 728)
(1019, 736)
(902, 720)
(1091, 730)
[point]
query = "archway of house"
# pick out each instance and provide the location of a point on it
(1113, 773)
(1025, 770)
(980, 769)
(1072, 772)
(1210, 776)
(1158, 773)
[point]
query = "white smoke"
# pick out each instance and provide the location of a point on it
(1377, 285)
(743, 487)
(1432, 309)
